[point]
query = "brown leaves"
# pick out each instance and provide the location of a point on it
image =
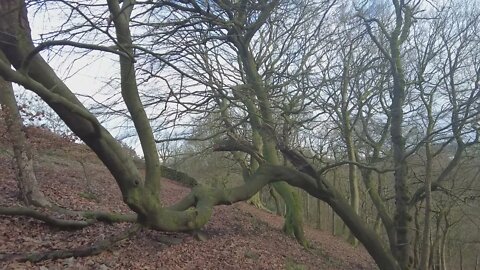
(237, 237)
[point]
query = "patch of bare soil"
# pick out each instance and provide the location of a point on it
(239, 236)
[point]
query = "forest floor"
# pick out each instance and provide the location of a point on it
(239, 236)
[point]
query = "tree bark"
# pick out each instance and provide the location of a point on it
(372, 189)
(30, 193)
(416, 240)
(395, 38)
(319, 215)
(16, 43)
(476, 261)
(443, 247)
(262, 122)
(347, 133)
(424, 262)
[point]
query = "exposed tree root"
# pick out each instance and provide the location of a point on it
(107, 217)
(90, 217)
(51, 220)
(84, 251)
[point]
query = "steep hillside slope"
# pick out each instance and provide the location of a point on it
(239, 236)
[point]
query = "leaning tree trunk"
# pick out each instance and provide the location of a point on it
(34, 73)
(30, 193)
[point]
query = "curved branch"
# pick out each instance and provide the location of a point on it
(178, 176)
(236, 144)
(46, 94)
(48, 44)
(361, 165)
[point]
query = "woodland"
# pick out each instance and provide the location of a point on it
(361, 118)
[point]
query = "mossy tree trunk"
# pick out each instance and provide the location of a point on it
(258, 145)
(395, 38)
(263, 124)
(331, 196)
(32, 72)
(260, 114)
(252, 166)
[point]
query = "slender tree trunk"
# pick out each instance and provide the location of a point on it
(435, 248)
(264, 126)
(319, 214)
(427, 99)
(367, 236)
(443, 247)
(334, 225)
(402, 214)
(416, 239)
(30, 193)
(377, 224)
(354, 185)
(257, 143)
(88, 181)
(293, 217)
(307, 204)
(255, 200)
(402, 217)
(347, 133)
(476, 261)
(460, 250)
(276, 200)
(428, 187)
(374, 193)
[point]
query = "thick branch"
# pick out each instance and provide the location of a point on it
(361, 165)
(178, 176)
(48, 44)
(231, 145)
(130, 94)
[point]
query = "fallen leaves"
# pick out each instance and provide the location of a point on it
(237, 237)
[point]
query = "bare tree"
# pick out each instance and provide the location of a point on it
(290, 92)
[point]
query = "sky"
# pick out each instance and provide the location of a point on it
(86, 74)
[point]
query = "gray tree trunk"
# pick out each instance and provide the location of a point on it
(30, 193)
